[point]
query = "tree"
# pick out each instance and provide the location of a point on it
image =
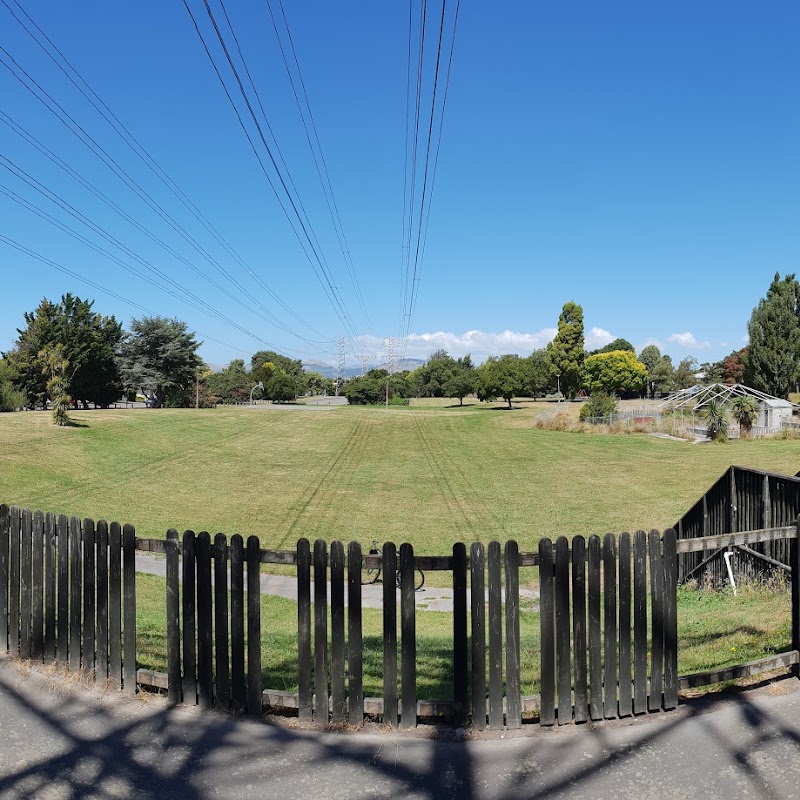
(773, 356)
(616, 372)
(733, 367)
(502, 377)
(88, 341)
(617, 344)
(662, 378)
(369, 389)
(684, 375)
(316, 383)
(10, 398)
(462, 380)
(540, 379)
(431, 378)
(159, 357)
(565, 353)
(232, 384)
(650, 357)
(745, 411)
(55, 369)
(716, 421)
(291, 366)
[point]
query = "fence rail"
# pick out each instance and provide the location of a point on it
(607, 620)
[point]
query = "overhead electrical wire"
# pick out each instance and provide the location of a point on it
(130, 140)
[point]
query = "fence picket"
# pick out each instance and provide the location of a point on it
(129, 608)
(639, 622)
(114, 603)
(173, 608)
(657, 622)
(579, 626)
(460, 639)
(304, 630)
(320, 632)
(478, 631)
(25, 589)
(238, 691)
(624, 589)
(253, 627)
(337, 633)
(222, 678)
(37, 587)
(189, 586)
(408, 639)
(547, 702)
(389, 565)
(75, 583)
(513, 678)
(355, 658)
(495, 636)
(595, 659)
(88, 537)
(5, 536)
(205, 647)
(14, 578)
(670, 620)
(610, 626)
(562, 632)
(101, 632)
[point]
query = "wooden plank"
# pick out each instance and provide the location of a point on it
(37, 587)
(129, 608)
(355, 658)
(670, 570)
(304, 629)
(5, 542)
(238, 690)
(89, 622)
(639, 622)
(408, 640)
(625, 678)
(579, 627)
(595, 659)
(173, 610)
(253, 627)
(114, 604)
(338, 705)
(101, 631)
(25, 589)
(780, 661)
(205, 638)
(75, 582)
(547, 710)
(733, 539)
(15, 536)
(320, 632)
(657, 622)
(494, 559)
(460, 637)
(478, 635)
(222, 678)
(513, 677)
(389, 634)
(149, 677)
(563, 632)
(188, 602)
(609, 626)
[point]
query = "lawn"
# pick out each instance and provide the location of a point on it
(428, 474)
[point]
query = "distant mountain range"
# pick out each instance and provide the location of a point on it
(329, 371)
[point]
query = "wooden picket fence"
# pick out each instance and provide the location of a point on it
(607, 613)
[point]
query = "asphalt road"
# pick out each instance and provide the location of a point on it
(60, 741)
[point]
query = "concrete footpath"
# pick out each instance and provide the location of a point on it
(60, 741)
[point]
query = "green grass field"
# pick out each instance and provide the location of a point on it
(428, 474)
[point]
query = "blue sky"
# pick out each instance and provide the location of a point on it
(638, 159)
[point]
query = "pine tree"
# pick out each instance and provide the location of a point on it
(565, 353)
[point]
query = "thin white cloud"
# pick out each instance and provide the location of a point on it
(597, 338)
(689, 341)
(650, 340)
(478, 344)
(724, 344)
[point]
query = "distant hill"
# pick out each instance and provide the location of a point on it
(329, 371)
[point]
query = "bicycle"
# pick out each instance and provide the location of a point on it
(373, 574)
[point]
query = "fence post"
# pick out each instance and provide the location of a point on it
(75, 569)
(238, 695)
(114, 601)
(460, 664)
(795, 578)
(494, 558)
(37, 582)
(547, 643)
(670, 619)
(579, 626)
(25, 585)
(205, 647)
(355, 657)
(254, 706)
(562, 631)
(222, 677)
(610, 679)
(478, 618)
(320, 632)
(88, 535)
(101, 635)
(513, 680)
(304, 629)
(189, 585)
(129, 607)
(657, 622)
(408, 638)
(173, 619)
(389, 564)
(337, 633)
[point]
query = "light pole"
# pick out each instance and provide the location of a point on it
(259, 385)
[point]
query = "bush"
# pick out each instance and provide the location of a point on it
(10, 398)
(599, 404)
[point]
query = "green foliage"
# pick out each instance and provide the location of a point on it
(159, 357)
(540, 378)
(55, 369)
(716, 418)
(660, 372)
(684, 375)
(744, 410)
(599, 405)
(232, 384)
(290, 366)
(565, 353)
(11, 398)
(617, 344)
(88, 340)
(773, 356)
(369, 389)
(463, 379)
(319, 384)
(618, 371)
(504, 377)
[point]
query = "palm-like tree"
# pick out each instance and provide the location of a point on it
(745, 412)
(716, 421)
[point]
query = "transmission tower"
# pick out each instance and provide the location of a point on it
(364, 365)
(341, 368)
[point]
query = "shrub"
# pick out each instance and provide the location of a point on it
(599, 404)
